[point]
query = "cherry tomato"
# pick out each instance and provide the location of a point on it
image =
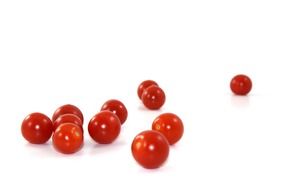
(241, 85)
(170, 125)
(67, 109)
(67, 118)
(104, 127)
(37, 128)
(144, 85)
(67, 138)
(150, 149)
(118, 108)
(153, 97)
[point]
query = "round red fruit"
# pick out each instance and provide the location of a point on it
(118, 108)
(67, 109)
(241, 85)
(170, 125)
(150, 149)
(144, 85)
(67, 118)
(153, 97)
(104, 127)
(68, 138)
(37, 128)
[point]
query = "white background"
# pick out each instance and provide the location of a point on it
(86, 52)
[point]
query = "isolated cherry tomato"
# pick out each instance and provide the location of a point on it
(241, 85)
(153, 97)
(104, 127)
(68, 138)
(37, 128)
(118, 108)
(67, 118)
(170, 125)
(144, 85)
(67, 109)
(150, 149)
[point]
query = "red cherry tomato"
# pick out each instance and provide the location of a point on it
(104, 127)
(144, 85)
(67, 109)
(241, 85)
(170, 125)
(67, 118)
(150, 149)
(153, 97)
(67, 138)
(37, 128)
(118, 108)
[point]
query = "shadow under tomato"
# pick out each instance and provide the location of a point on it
(47, 150)
(144, 109)
(240, 101)
(96, 148)
(165, 167)
(40, 150)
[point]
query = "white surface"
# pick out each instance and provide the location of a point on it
(85, 52)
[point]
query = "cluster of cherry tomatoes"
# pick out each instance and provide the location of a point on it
(151, 95)
(66, 126)
(150, 148)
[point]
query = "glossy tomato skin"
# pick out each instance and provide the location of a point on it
(67, 109)
(67, 118)
(150, 149)
(67, 138)
(118, 108)
(145, 84)
(170, 125)
(241, 85)
(153, 97)
(37, 128)
(104, 127)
